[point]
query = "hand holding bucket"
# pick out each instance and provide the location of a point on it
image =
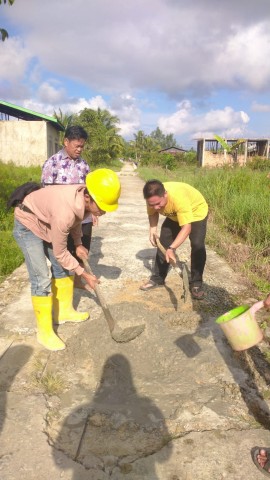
(240, 326)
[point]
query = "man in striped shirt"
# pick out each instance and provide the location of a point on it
(67, 167)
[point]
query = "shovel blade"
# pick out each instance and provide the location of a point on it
(127, 334)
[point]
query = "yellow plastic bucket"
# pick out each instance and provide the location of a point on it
(240, 326)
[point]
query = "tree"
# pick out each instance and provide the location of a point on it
(105, 143)
(164, 141)
(3, 32)
(65, 119)
(139, 144)
(231, 149)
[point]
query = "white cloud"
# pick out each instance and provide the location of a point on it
(260, 107)
(186, 121)
(125, 107)
(85, 54)
(174, 47)
(14, 60)
(76, 105)
(47, 93)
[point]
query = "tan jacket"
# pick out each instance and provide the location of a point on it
(57, 211)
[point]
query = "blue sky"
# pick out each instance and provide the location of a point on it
(191, 67)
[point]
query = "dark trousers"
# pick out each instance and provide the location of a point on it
(168, 233)
(86, 239)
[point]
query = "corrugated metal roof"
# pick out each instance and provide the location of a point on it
(173, 149)
(28, 115)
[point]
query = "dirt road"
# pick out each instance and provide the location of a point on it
(174, 404)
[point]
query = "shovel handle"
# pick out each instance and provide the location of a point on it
(162, 249)
(97, 289)
(181, 271)
(108, 316)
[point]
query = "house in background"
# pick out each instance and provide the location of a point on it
(27, 138)
(211, 154)
(173, 150)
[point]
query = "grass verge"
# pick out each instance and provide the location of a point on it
(239, 222)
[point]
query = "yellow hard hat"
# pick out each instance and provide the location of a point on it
(104, 187)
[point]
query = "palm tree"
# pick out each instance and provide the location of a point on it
(65, 120)
(139, 144)
(115, 143)
(107, 118)
(3, 32)
(105, 143)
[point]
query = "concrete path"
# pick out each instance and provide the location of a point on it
(176, 403)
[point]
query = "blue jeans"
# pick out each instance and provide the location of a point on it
(36, 252)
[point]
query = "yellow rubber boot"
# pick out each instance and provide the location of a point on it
(45, 333)
(63, 311)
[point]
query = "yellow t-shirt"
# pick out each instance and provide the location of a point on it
(185, 204)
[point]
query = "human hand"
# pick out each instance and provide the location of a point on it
(170, 256)
(95, 220)
(152, 236)
(90, 280)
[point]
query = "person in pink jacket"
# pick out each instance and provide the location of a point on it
(43, 222)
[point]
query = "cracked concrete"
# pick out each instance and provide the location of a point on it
(176, 403)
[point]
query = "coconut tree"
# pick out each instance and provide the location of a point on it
(104, 142)
(3, 32)
(65, 119)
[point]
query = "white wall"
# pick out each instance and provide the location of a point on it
(27, 143)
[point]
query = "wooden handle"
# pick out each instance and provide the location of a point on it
(102, 301)
(162, 249)
(182, 271)
(97, 289)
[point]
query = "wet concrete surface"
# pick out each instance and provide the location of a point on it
(174, 403)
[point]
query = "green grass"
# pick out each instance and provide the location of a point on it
(11, 177)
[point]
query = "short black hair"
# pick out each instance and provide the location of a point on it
(76, 132)
(153, 188)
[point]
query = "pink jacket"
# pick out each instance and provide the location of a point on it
(57, 211)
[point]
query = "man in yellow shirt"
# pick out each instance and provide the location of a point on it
(186, 211)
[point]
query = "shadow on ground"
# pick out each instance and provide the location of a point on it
(11, 362)
(116, 428)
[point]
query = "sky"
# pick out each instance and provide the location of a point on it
(193, 68)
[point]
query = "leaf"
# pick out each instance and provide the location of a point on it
(223, 143)
(4, 34)
(236, 144)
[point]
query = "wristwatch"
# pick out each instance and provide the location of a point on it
(171, 248)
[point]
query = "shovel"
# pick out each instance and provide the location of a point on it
(118, 334)
(182, 271)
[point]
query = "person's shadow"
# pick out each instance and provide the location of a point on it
(11, 362)
(117, 428)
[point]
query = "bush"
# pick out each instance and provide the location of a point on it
(259, 163)
(191, 157)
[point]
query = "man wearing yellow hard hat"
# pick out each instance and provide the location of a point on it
(43, 221)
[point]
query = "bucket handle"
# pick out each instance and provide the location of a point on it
(256, 307)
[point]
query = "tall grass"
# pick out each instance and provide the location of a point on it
(11, 177)
(239, 204)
